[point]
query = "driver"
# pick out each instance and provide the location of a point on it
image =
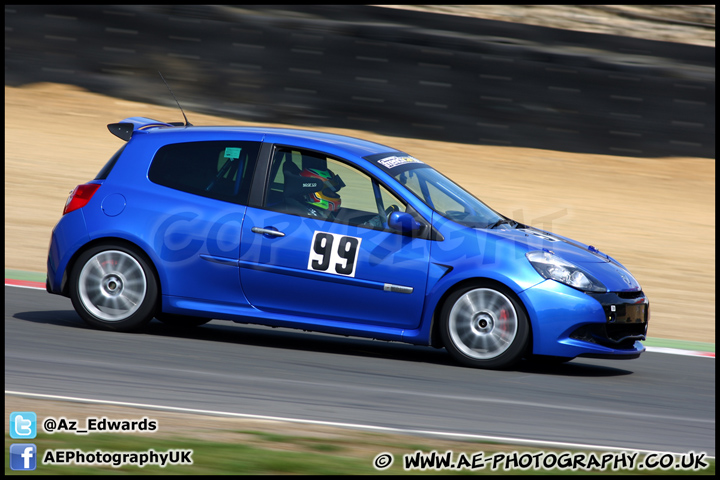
(325, 201)
(312, 191)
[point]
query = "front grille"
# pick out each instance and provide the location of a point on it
(619, 336)
(626, 320)
(630, 295)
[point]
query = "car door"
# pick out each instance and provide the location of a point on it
(330, 256)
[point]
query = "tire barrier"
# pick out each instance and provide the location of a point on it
(394, 72)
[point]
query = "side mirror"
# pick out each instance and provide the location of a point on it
(403, 222)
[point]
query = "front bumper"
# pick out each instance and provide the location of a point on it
(570, 323)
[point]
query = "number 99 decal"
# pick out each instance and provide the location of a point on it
(332, 253)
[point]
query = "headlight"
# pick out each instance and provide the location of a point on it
(552, 267)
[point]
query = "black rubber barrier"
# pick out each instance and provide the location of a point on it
(394, 72)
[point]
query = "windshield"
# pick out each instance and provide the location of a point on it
(448, 199)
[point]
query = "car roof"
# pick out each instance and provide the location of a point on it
(356, 146)
(290, 136)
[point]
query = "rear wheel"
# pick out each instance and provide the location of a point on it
(113, 287)
(484, 326)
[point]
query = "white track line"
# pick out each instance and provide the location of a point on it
(24, 286)
(391, 430)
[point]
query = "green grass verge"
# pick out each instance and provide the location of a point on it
(277, 454)
(23, 275)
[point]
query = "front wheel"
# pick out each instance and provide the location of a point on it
(113, 287)
(484, 327)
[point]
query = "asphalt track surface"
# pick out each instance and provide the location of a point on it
(657, 402)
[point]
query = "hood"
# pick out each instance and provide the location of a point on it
(603, 267)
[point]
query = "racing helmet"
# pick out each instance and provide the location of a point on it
(326, 198)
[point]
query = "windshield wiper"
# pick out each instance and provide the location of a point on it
(503, 221)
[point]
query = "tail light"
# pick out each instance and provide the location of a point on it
(80, 196)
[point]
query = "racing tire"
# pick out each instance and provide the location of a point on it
(484, 326)
(181, 321)
(113, 287)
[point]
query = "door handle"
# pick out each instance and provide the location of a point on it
(267, 231)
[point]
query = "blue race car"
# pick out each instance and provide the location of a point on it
(322, 232)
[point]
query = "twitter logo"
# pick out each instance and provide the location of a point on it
(23, 425)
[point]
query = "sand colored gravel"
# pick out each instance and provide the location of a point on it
(655, 215)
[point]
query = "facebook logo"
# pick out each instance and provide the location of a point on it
(23, 456)
(23, 425)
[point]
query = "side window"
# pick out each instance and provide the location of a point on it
(105, 171)
(220, 170)
(313, 185)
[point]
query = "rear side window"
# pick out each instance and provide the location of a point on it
(220, 170)
(105, 171)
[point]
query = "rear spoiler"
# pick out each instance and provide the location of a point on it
(125, 129)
